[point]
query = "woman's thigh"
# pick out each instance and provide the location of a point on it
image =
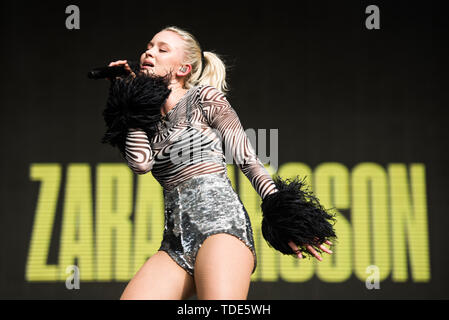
(160, 278)
(223, 268)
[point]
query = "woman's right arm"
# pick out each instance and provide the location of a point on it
(138, 152)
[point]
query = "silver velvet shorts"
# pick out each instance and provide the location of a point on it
(197, 208)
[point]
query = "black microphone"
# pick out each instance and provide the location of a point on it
(113, 71)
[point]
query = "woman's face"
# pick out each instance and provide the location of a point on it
(164, 54)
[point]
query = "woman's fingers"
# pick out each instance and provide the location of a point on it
(122, 63)
(117, 63)
(313, 251)
(114, 63)
(327, 241)
(131, 72)
(295, 249)
(322, 247)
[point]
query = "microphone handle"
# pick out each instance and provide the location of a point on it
(112, 72)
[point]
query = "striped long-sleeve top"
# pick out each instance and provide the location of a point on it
(196, 137)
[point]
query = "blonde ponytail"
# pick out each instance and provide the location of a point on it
(214, 72)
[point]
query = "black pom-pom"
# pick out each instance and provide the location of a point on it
(134, 102)
(295, 214)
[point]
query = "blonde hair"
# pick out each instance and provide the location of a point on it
(214, 73)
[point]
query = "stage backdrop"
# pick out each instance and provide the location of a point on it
(347, 93)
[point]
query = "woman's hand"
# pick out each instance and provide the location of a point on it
(122, 63)
(311, 249)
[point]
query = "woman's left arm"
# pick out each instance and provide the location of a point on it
(293, 219)
(225, 120)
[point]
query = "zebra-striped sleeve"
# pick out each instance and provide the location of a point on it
(224, 118)
(138, 152)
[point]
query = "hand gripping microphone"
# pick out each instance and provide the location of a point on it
(113, 71)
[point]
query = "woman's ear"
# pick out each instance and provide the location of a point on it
(184, 70)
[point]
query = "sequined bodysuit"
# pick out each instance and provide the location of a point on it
(187, 157)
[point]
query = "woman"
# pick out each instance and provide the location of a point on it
(208, 247)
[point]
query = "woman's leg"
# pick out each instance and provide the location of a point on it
(223, 268)
(160, 278)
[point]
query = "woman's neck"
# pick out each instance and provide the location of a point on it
(177, 92)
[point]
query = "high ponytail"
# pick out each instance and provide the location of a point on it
(214, 72)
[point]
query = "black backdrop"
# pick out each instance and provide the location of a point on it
(337, 92)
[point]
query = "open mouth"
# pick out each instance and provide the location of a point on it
(147, 65)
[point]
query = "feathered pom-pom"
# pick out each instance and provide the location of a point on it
(134, 102)
(295, 214)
